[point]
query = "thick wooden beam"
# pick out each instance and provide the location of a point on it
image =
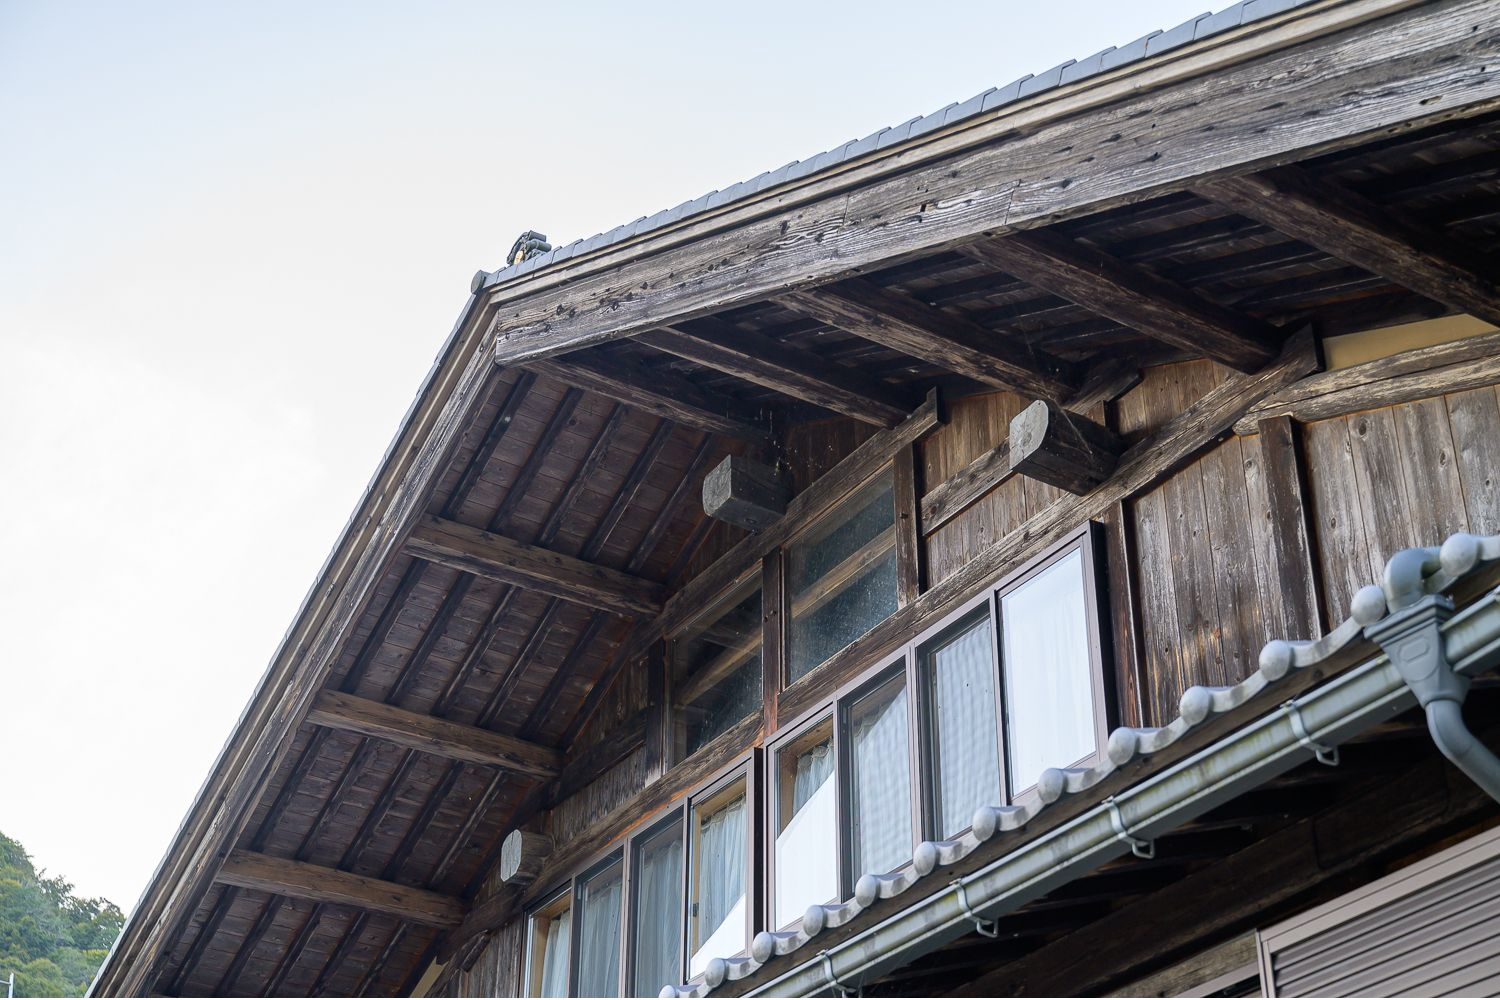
(800, 374)
(1063, 449)
(1384, 241)
(1131, 296)
(1287, 498)
(662, 393)
(318, 884)
(954, 343)
(744, 492)
(483, 553)
(522, 854)
(430, 734)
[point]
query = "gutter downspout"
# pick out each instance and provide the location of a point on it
(1409, 635)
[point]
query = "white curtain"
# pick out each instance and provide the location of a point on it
(599, 935)
(1048, 689)
(555, 956)
(720, 918)
(882, 785)
(968, 745)
(807, 860)
(658, 908)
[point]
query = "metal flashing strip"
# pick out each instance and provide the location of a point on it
(1313, 723)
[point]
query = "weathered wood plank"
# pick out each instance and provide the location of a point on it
(1423, 64)
(797, 373)
(1384, 507)
(1285, 488)
(949, 341)
(318, 884)
(1131, 296)
(1429, 471)
(1378, 238)
(909, 575)
(1475, 418)
(1343, 558)
(430, 734)
(1067, 450)
(484, 553)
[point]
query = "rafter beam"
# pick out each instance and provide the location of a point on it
(430, 734)
(662, 393)
(912, 327)
(483, 553)
(1381, 240)
(315, 883)
(1131, 296)
(800, 374)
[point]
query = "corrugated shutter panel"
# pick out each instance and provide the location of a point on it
(1442, 940)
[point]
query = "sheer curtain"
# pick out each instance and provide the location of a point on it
(807, 847)
(599, 935)
(658, 906)
(721, 886)
(968, 746)
(882, 783)
(555, 956)
(1049, 693)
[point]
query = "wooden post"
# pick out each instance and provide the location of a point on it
(1063, 449)
(522, 855)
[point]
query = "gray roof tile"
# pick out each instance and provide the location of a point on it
(1173, 37)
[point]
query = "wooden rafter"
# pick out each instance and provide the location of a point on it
(484, 553)
(1132, 296)
(1381, 240)
(430, 734)
(905, 324)
(662, 393)
(800, 374)
(319, 884)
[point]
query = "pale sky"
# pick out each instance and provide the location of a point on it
(232, 239)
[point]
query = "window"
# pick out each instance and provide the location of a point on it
(806, 854)
(550, 938)
(880, 779)
(716, 666)
(718, 903)
(959, 670)
(599, 908)
(841, 575)
(656, 885)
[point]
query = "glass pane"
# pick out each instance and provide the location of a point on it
(657, 888)
(880, 780)
(550, 929)
(599, 934)
(716, 912)
(1049, 691)
(716, 666)
(966, 744)
(841, 576)
(807, 836)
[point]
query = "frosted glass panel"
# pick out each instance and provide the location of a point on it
(807, 860)
(599, 934)
(657, 888)
(965, 736)
(1049, 693)
(717, 667)
(880, 780)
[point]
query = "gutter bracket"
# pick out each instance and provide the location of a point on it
(1411, 638)
(1325, 754)
(986, 928)
(833, 980)
(1144, 849)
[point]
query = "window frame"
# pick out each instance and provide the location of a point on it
(676, 813)
(744, 772)
(531, 981)
(770, 807)
(677, 751)
(893, 666)
(618, 853)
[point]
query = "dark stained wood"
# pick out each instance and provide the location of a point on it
(773, 636)
(1125, 612)
(484, 553)
(663, 394)
(1067, 450)
(1286, 489)
(957, 494)
(599, 757)
(522, 855)
(1377, 238)
(795, 372)
(328, 885)
(909, 574)
(430, 734)
(1133, 296)
(949, 341)
(745, 493)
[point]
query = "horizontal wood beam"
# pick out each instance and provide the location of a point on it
(1131, 296)
(484, 553)
(791, 371)
(430, 734)
(1065, 450)
(1382, 240)
(1383, 69)
(951, 342)
(657, 392)
(315, 883)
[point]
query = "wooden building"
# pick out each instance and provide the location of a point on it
(1098, 434)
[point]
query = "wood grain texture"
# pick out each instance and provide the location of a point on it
(300, 880)
(1286, 490)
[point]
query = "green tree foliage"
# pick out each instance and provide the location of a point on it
(52, 940)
